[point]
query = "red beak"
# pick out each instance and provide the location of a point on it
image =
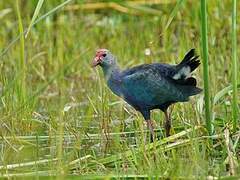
(99, 57)
(96, 61)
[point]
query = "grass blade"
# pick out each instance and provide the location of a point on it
(234, 65)
(36, 12)
(21, 85)
(174, 13)
(27, 164)
(222, 93)
(205, 65)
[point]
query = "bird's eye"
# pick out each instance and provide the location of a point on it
(104, 55)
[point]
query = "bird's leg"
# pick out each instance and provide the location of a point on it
(167, 123)
(150, 125)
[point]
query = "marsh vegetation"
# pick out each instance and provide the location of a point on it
(59, 119)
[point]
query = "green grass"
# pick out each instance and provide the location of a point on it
(204, 28)
(58, 118)
(234, 65)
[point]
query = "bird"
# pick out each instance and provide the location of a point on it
(151, 86)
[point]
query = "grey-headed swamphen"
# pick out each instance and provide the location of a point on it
(150, 86)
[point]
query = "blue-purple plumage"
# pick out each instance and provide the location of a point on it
(152, 86)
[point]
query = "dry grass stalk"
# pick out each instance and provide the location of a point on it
(116, 6)
(231, 159)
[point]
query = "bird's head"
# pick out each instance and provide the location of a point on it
(103, 58)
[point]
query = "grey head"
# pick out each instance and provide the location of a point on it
(112, 75)
(104, 58)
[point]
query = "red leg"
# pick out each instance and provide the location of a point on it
(167, 123)
(150, 125)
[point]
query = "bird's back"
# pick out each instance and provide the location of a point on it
(155, 85)
(148, 86)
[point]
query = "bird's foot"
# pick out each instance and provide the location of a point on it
(167, 128)
(151, 125)
(167, 123)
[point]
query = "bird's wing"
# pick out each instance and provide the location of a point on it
(173, 73)
(149, 84)
(178, 74)
(163, 69)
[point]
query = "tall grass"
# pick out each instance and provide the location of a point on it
(204, 47)
(76, 125)
(234, 66)
(12, 42)
(36, 12)
(21, 64)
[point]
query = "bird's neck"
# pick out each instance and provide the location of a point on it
(111, 72)
(113, 79)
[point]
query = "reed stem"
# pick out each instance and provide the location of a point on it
(205, 65)
(234, 65)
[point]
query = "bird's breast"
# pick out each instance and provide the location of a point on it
(115, 86)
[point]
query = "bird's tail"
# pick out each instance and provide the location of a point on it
(183, 74)
(189, 63)
(190, 60)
